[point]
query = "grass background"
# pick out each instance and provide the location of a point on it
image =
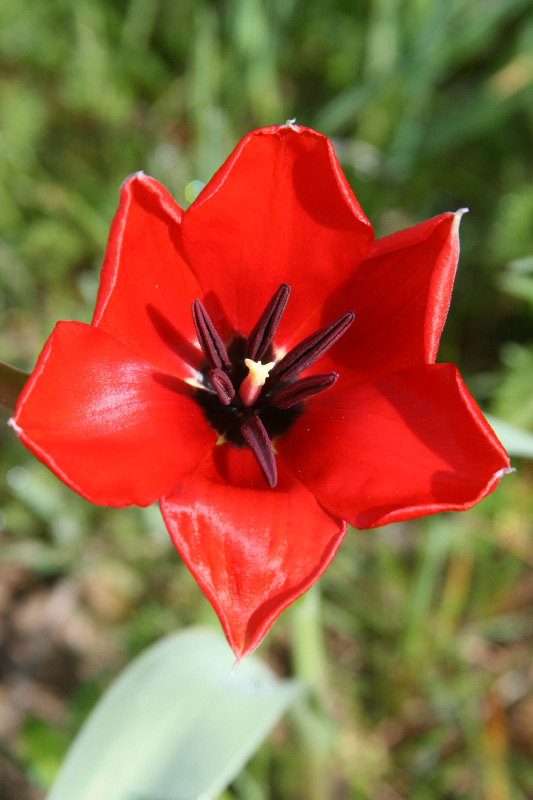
(428, 625)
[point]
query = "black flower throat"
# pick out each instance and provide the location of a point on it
(244, 405)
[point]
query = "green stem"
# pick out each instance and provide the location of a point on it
(308, 646)
(312, 720)
(12, 382)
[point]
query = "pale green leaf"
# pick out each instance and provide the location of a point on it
(516, 441)
(178, 724)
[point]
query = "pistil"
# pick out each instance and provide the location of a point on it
(251, 387)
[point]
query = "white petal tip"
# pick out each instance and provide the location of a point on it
(139, 176)
(505, 471)
(12, 424)
(291, 123)
(458, 215)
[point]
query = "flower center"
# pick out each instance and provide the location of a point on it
(248, 398)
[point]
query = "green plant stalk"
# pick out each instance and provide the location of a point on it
(12, 382)
(310, 715)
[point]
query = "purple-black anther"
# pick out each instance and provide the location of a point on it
(311, 349)
(303, 389)
(257, 439)
(222, 385)
(267, 324)
(210, 342)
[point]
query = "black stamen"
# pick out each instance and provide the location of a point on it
(301, 390)
(265, 329)
(210, 342)
(257, 439)
(222, 385)
(308, 351)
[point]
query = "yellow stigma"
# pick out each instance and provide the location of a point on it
(258, 373)
(250, 388)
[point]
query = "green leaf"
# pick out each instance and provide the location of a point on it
(516, 441)
(178, 724)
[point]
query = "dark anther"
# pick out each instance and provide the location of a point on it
(265, 329)
(300, 390)
(258, 441)
(308, 351)
(210, 342)
(222, 385)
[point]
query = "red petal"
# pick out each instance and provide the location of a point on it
(400, 295)
(253, 550)
(112, 427)
(278, 211)
(146, 287)
(409, 444)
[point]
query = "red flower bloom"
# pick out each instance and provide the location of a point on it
(354, 422)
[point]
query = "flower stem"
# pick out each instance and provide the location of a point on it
(311, 718)
(12, 382)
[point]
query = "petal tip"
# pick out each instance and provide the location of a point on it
(291, 123)
(139, 175)
(458, 215)
(12, 424)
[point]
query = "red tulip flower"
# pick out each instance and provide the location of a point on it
(263, 423)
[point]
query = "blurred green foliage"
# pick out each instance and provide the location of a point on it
(430, 105)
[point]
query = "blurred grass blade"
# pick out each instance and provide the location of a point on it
(12, 382)
(521, 266)
(520, 286)
(176, 725)
(516, 441)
